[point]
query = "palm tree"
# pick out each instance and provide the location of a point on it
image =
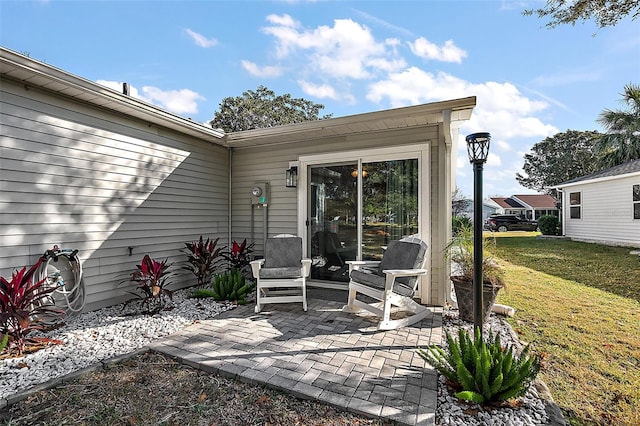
(621, 143)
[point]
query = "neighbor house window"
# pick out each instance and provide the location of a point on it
(575, 205)
(636, 201)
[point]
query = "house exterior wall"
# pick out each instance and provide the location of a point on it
(268, 164)
(87, 179)
(606, 212)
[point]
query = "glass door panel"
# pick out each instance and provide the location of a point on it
(389, 204)
(333, 213)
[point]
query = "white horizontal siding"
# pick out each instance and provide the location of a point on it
(99, 182)
(606, 213)
(268, 164)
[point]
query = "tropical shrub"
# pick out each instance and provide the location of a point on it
(549, 225)
(203, 258)
(459, 222)
(24, 301)
(483, 370)
(238, 256)
(231, 286)
(460, 251)
(151, 277)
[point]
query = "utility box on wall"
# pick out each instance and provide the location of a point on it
(260, 193)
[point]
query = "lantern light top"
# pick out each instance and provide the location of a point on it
(478, 147)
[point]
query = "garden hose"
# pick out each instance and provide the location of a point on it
(62, 269)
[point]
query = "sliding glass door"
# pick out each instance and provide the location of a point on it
(355, 208)
(333, 219)
(389, 204)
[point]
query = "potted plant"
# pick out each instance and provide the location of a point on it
(460, 253)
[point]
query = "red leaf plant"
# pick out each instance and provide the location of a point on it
(203, 259)
(23, 303)
(152, 276)
(238, 256)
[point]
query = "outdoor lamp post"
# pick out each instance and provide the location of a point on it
(478, 151)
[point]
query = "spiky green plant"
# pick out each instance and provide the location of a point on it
(231, 286)
(484, 370)
(3, 341)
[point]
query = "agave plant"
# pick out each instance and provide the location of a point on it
(485, 371)
(23, 303)
(203, 259)
(151, 277)
(238, 256)
(231, 286)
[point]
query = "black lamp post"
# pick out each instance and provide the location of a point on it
(478, 150)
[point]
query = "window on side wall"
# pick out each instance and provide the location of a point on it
(636, 201)
(575, 205)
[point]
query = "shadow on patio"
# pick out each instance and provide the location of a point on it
(322, 354)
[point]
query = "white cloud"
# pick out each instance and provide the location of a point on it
(257, 71)
(501, 108)
(494, 160)
(283, 20)
(183, 101)
(502, 144)
(201, 40)
(346, 50)
(447, 53)
(324, 91)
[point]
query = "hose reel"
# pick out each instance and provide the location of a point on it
(62, 269)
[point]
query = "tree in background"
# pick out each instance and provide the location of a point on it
(262, 108)
(621, 143)
(604, 12)
(559, 158)
(459, 203)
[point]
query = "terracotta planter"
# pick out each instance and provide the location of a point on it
(464, 297)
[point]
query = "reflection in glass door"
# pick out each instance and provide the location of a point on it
(343, 226)
(389, 204)
(333, 215)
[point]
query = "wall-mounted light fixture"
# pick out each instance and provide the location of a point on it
(291, 177)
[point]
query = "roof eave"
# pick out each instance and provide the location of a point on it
(459, 110)
(33, 73)
(594, 180)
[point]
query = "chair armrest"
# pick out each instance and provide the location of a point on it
(356, 264)
(255, 267)
(306, 267)
(405, 272)
(392, 274)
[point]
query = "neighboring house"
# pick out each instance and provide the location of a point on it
(89, 168)
(488, 208)
(603, 207)
(529, 206)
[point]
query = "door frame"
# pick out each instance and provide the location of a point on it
(421, 152)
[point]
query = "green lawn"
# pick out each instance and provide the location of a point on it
(579, 304)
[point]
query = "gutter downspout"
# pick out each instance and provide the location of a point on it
(563, 216)
(229, 197)
(448, 177)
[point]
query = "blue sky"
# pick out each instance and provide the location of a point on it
(351, 56)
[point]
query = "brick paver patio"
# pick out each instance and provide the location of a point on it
(322, 354)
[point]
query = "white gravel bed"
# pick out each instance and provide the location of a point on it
(95, 336)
